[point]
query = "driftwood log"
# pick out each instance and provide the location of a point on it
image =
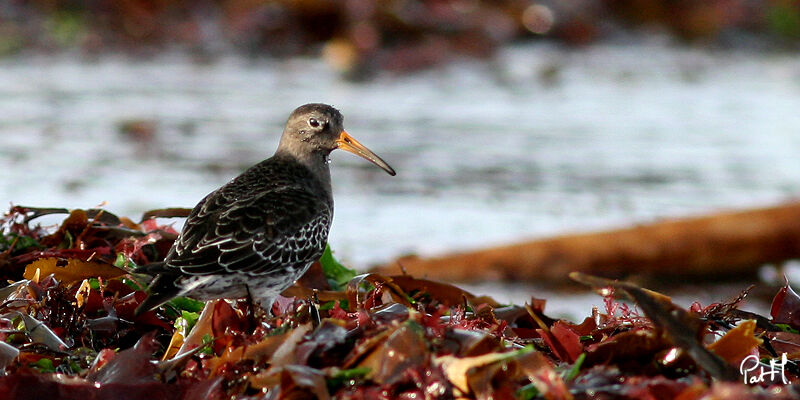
(718, 246)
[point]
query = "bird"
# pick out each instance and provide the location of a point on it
(257, 234)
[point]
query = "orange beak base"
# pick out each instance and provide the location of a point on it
(348, 143)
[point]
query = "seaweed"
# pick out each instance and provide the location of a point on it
(67, 326)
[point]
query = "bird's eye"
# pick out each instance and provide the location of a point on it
(313, 122)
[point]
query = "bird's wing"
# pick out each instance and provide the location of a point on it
(258, 235)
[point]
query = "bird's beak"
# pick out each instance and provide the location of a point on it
(346, 142)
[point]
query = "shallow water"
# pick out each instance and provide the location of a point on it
(542, 141)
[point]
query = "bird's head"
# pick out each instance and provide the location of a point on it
(318, 129)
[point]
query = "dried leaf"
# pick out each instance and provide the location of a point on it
(469, 343)
(458, 370)
(302, 292)
(194, 339)
(293, 382)
(403, 349)
(284, 354)
(71, 270)
(551, 385)
(10, 289)
(682, 327)
(491, 381)
(7, 354)
(320, 350)
(785, 342)
(176, 343)
(278, 350)
(83, 293)
(313, 280)
(737, 343)
(355, 293)
(622, 348)
(225, 320)
(38, 332)
(443, 293)
(166, 213)
(129, 366)
(786, 307)
(24, 386)
(564, 342)
(364, 347)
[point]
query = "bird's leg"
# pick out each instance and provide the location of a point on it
(312, 305)
(252, 309)
(261, 308)
(265, 304)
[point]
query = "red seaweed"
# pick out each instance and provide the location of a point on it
(377, 337)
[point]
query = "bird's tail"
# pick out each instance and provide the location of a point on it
(152, 269)
(162, 288)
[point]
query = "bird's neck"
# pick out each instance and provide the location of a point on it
(316, 162)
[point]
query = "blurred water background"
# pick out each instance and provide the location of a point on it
(540, 141)
(505, 120)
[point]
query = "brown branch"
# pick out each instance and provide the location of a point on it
(709, 247)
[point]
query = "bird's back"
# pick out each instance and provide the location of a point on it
(274, 214)
(261, 230)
